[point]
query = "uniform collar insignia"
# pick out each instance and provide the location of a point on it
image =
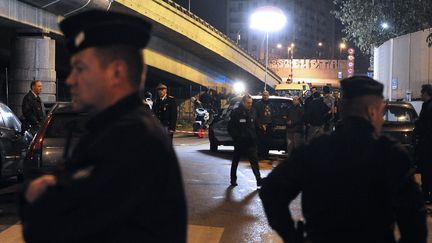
(79, 39)
(83, 173)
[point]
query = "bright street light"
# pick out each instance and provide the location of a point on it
(239, 87)
(342, 46)
(385, 25)
(267, 19)
(279, 45)
(320, 44)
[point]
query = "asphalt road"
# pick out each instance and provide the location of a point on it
(217, 212)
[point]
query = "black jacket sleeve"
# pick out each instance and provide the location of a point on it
(278, 190)
(233, 125)
(406, 197)
(173, 114)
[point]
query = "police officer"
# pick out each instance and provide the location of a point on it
(165, 109)
(122, 182)
(242, 128)
(423, 129)
(264, 112)
(33, 108)
(355, 184)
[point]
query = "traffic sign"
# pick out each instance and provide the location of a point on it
(351, 51)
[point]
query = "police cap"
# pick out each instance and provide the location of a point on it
(102, 28)
(358, 86)
(161, 86)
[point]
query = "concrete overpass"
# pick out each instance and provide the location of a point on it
(184, 50)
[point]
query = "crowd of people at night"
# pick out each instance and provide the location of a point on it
(355, 184)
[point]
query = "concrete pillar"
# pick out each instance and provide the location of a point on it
(33, 58)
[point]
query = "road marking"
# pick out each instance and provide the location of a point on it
(199, 234)
(12, 234)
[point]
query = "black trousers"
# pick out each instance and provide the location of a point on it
(425, 167)
(264, 139)
(251, 152)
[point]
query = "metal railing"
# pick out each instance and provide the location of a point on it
(212, 28)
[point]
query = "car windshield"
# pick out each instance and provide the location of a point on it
(61, 124)
(398, 114)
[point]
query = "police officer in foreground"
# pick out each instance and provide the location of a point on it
(165, 109)
(122, 182)
(355, 184)
(242, 128)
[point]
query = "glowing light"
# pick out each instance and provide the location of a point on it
(239, 87)
(267, 19)
(385, 25)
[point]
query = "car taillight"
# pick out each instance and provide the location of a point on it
(35, 151)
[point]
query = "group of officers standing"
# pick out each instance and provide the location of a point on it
(355, 184)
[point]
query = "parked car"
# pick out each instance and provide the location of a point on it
(399, 118)
(13, 144)
(218, 133)
(47, 150)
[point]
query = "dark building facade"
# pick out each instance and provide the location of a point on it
(309, 22)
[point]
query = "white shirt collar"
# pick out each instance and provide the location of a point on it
(35, 95)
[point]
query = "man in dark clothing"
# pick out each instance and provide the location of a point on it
(295, 125)
(242, 128)
(207, 100)
(122, 182)
(355, 184)
(264, 118)
(165, 109)
(317, 114)
(33, 108)
(423, 130)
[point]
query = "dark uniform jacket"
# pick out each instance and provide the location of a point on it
(32, 110)
(264, 112)
(166, 111)
(121, 184)
(317, 112)
(242, 126)
(295, 114)
(423, 128)
(354, 188)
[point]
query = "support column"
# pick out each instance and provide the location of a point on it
(33, 58)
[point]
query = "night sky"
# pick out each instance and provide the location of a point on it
(212, 11)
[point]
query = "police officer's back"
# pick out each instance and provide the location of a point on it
(355, 184)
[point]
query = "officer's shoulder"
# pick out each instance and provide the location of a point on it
(171, 97)
(319, 144)
(392, 146)
(387, 141)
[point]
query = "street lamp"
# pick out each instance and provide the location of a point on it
(320, 44)
(385, 25)
(267, 19)
(342, 46)
(291, 56)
